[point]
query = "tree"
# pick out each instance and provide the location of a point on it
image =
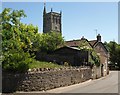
(21, 41)
(118, 56)
(51, 41)
(16, 40)
(114, 51)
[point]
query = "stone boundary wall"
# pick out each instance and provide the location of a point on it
(44, 79)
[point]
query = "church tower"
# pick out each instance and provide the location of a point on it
(51, 21)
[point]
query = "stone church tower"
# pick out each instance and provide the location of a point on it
(51, 21)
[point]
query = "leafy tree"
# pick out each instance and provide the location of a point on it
(51, 41)
(9, 18)
(114, 51)
(20, 41)
(118, 56)
(16, 40)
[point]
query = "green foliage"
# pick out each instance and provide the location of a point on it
(40, 64)
(114, 51)
(16, 61)
(93, 58)
(16, 41)
(50, 41)
(84, 45)
(11, 16)
(21, 41)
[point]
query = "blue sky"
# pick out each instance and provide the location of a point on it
(78, 18)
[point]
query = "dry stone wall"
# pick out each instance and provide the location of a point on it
(44, 79)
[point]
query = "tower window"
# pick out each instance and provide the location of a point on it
(56, 20)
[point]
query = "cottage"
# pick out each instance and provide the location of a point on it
(99, 48)
(103, 54)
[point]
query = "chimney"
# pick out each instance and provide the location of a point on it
(83, 38)
(99, 38)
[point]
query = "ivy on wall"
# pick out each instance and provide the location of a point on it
(93, 58)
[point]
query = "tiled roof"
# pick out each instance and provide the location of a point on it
(73, 48)
(73, 43)
(93, 42)
(76, 43)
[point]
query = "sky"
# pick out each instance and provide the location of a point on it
(78, 18)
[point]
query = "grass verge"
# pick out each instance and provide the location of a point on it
(40, 64)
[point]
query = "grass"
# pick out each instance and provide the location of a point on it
(40, 64)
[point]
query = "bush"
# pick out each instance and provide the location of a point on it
(15, 61)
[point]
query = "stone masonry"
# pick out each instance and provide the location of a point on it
(44, 79)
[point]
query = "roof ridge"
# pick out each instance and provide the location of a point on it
(92, 40)
(73, 40)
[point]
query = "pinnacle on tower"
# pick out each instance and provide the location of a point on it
(60, 12)
(51, 9)
(44, 11)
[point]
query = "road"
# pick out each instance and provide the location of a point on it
(108, 84)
